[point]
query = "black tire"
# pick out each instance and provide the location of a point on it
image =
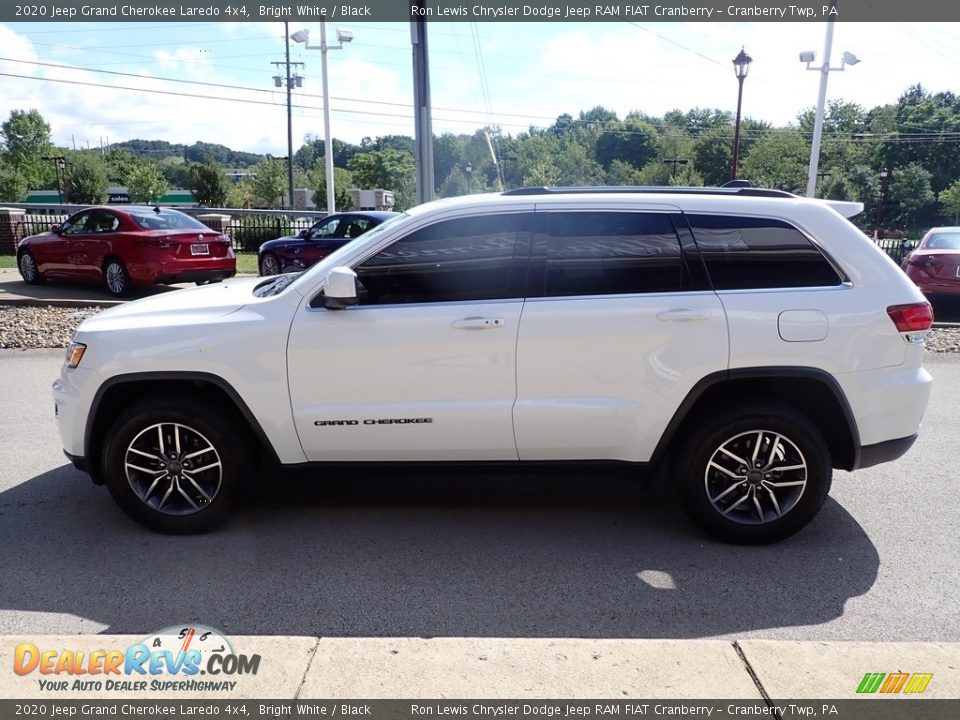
(116, 278)
(786, 439)
(27, 264)
(186, 499)
(269, 264)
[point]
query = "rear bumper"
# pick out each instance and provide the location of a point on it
(196, 276)
(882, 452)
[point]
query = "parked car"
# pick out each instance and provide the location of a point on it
(934, 265)
(298, 252)
(753, 339)
(125, 247)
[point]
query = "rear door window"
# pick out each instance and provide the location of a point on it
(604, 253)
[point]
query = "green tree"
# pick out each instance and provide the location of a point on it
(13, 186)
(778, 160)
(342, 182)
(26, 141)
(176, 172)
(542, 174)
(911, 195)
(387, 169)
(950, 201)
(146, 183)
(209, 184)
(713, 155)
(85, 179)
(269, 184)
(633, 141)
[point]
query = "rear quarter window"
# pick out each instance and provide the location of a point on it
(744, 253)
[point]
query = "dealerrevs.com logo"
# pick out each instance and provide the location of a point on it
(184, 659)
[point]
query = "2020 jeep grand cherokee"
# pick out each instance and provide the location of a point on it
(755, 338)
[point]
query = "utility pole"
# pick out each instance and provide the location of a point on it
(673, 162)
(291, 82)
(422, 112)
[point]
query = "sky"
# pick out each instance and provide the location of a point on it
(99, 83)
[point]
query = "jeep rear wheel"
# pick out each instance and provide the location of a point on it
(756, 475)
(174, 465)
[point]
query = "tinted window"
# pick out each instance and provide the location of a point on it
(602, 253)
(453, 260)
(747, 253)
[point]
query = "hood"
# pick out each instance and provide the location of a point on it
(280, 241)
(178, 307)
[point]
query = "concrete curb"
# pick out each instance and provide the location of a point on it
(491, 668)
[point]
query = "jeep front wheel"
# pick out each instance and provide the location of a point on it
(174, 465)
(756, 475)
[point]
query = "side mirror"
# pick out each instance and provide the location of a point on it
(303, 233)
(341, 289)
(55, 229)
(908, 247)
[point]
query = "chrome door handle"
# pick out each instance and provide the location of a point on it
(478, 323)
(683, 315)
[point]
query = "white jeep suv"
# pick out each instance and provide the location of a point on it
(755, 339)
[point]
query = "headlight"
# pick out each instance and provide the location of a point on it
(75, 352)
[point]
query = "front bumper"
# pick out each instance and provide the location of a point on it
(72, 396)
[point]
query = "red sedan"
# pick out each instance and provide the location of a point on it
(935, 264)
(122, 248)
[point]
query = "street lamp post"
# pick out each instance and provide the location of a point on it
(59, 165)
(468, 170)
(808, 57)
(343, 36)
(741, 66)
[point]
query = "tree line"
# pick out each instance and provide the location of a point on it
(901, 160)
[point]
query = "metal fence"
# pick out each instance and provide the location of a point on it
(896, 248)
(249, 232)
(36, 224)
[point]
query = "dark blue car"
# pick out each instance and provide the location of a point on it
(298, 252)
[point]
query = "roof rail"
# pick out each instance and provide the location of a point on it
(647, 189)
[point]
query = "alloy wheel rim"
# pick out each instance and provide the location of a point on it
(173, 468)
(28, 268)
(115, 279)
(756, 477)
(270, 265)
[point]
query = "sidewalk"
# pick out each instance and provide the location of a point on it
(485, 668)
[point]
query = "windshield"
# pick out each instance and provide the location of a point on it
(161, 219)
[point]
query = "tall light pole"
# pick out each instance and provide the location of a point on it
(741, 66)
(343, 36)
(808, 57)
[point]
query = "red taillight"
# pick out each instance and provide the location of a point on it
(911, 318)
